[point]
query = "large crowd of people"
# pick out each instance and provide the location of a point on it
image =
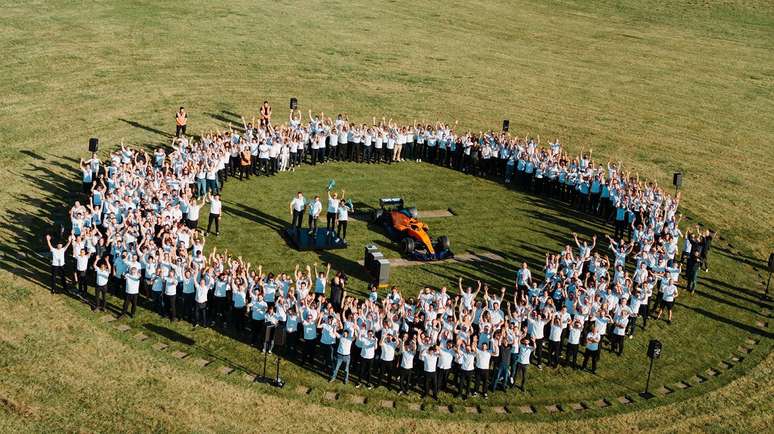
(137, 234)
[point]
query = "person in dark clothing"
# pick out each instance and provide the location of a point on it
(692, 271)
(337, 291)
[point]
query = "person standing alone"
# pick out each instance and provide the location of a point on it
(297, 206)
(181, 119)
(58, 263)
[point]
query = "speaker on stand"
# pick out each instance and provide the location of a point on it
(506, 125)
(93, 145)
(677, 181)
(279, 343)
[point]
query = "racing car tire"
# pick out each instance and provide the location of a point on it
(407, 245)
(443, 242)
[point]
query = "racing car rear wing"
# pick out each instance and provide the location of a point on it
(391, 201)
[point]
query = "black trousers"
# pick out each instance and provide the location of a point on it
(592, 355)
(238, 318)
(313, 225)
(171, 304)
(463, 382)
(539, 351)
(99, 296)
(214, 218)
(617, 343)
(156, 296)
(405, 379)
(80, 277)
(179, 129)
(384, 372)
(129, 299)
(431, 384)
(572, 355)
(308, 355)
(342, 231)
(58, 271)
(263, 165)
(521, 368)
(482, 378)
(200, 317)
(330, 219)
(291, 342)
(188, 306)
(644, 313)
(365, 370)
(298, 216)
(443, 379)
(554, 351)
(366, 366)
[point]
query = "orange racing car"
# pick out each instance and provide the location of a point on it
(402, 225)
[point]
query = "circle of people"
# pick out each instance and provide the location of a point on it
(138, 233)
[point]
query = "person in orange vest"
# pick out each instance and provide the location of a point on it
(265, 114)
(181, 118)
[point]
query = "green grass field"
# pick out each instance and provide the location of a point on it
(662, 86)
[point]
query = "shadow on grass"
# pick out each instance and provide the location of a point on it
(169, 334)
(147, 128)
(228, 118)
(742, 326)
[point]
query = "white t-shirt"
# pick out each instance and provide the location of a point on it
(58, 257)
(102, 277)
(193, 212)
(82, 262)
(446, 358)
(482, 359)
(345, 345)
(132, 284)
(297, 204)
(215, 206)
(333, 205)
(407, 360)
(430, 362)
(388, 352)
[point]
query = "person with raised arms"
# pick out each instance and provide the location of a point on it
(102, 269)
(58, 262)
(130, 293)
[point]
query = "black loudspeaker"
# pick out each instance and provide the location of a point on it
(293, 103)
(771, 263)
(381, 271)
(506, 125)
(279, 336)
(677, 179)
(368, 257)
(93, 144)
(654, 349)
(373, 263)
